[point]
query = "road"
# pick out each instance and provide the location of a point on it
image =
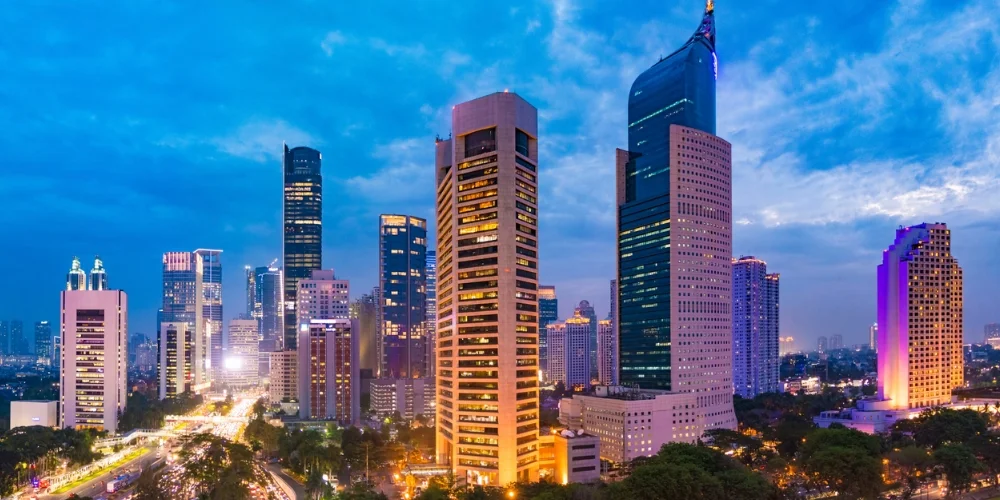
(94, 487)
(290, 486)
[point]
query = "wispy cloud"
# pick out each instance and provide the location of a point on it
(331, 41)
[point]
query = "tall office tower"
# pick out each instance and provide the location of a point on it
(240, 360)
(569, 352)
(328, 384)
(607, 353)
(4, 338)
(269, 293)
(991, 335)
(548, 312)
(836, 341)
(43, 339)
(146, 357)
(674, 192)
(212, 309)
(76, 278)
(613, 311)
(303, 219)
(283, 376)
(755, 328)
(57, 353)
(98, 276)
(430, 273)
(822, 344)
(873, 337)
(176, 359)
(18, 344)
(587, 311)
(253, 305)
(93, 385)
(323, 296)
(402, 259)
(183, 302)
(363, 310)
(487, 331)
(920, 319)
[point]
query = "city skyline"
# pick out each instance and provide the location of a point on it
(247, 139)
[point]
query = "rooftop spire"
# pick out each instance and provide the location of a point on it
(707, 29)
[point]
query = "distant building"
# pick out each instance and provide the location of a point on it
(364, 310)
(184, 301)
(569, 352)
(607, 353)
(873, 337)
(98, 276)
(409, 397)
(323, 296)
(268, 283)
(548, 312)
(146, 355)
(18, 344)
(92, 395)
(836, 341)
(755, 328)
(5, 338)
(991, 335)
(177, 358)
(586, 310)
(430, 325)
(211, 313)
(253, 303)
(76, 278)
(240, 355)
(29, 413)
(633, 423)
(329, 385)
(284, 376)
(43, 339)
(303, 228)
(822, 344)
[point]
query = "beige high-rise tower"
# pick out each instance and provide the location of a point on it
(487, 272)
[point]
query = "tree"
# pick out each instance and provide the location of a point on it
(481, 493)
(434, 492)
(851, 472)
(939, 426)
(148, 488)
(361, 491)
(219, 467)
(911, 462)
(789, 432)
(959, 464)
(821, 439)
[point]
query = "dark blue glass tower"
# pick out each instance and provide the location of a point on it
(303, 224)
(679, 89)
(402, 264)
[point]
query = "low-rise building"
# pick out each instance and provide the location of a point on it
(577, 457)
(632, 423)
(284, 376)
(410, 397)
(29, 413)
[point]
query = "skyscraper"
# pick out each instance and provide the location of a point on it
(363, 310)
(586, 310)
(211, 289)
(76, 278)
(323, 296)
(822, 345)
(991, 335)
(43, 339)
(269, 293)
(607, 353)
(873, 337)
(303, 220)
(674, 192)
(93, 385)
(183, 302)
(569, 349)
(240, 360)
(836, 341)
(253, 304)
(548, 312)
(487, 236)
(328, 385)
(755, 328)
(98, 276)
(403, 257)
(430, 274)
(18, 344)
(920, 319)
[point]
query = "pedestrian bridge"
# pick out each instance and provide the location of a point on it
(132, 436)
(206, 419)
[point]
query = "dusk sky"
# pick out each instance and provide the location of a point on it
(141, 127)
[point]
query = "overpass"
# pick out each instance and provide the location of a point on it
(132, 436)
(217, 419)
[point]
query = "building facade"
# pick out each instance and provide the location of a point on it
(548, 312)
(822, 344)
(430, 274)
(269, 293)
(284, 376)
(756, 357)
(410, 397)
(98, 276)
(43, 340)
(328, 379)
(177, 358)
(93, 383)
(586, 310)
(607, 353)
(184, 302)
(836, 341)
(674, 192)
(211, 314)
(569, 352)
(76, 278)
(303, 223)
(240, 354)
(991, 335)
(487, 353)
(920, 319)
(18, 344)
(363, 309)
(402, 263)
(873, 337)
(323, 296)
(30, 413)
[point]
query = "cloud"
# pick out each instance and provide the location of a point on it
(260, 140)
(332, 40)
(407, 164)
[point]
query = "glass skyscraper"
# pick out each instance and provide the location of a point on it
(267, 281)
(430, 274)
(548, 312)
(402, 264)
(303, 222)
(211, 289)
(43, 339)
(755, 328)
(674, 193)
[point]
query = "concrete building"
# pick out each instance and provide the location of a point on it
(184, 301)
(569, 352)
(93, 383)
(176, 359)
(585, 310)
(29, 413)
(328, 378)
(409, 397)
(430, 273)
(755, 328)
(43, 340)
(487, 331)
(402, 263)
(822, 345)
(18, 343)
(577, 457)
(607, 353)
(991, 335)
(633, 423)
(873, 337)
(240, 354)
(284, 376)
(303, 228)
(323, 296)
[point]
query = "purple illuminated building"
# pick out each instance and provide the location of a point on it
(755, 328)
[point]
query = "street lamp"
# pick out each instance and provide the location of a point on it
(511, 494)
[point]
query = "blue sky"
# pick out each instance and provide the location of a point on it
(143, 127)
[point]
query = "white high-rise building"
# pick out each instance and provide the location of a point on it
(322, 296)
(93, 384)
(607, 353)
(177, 359)
(240, 359)
(569, 352)
(873, 337)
